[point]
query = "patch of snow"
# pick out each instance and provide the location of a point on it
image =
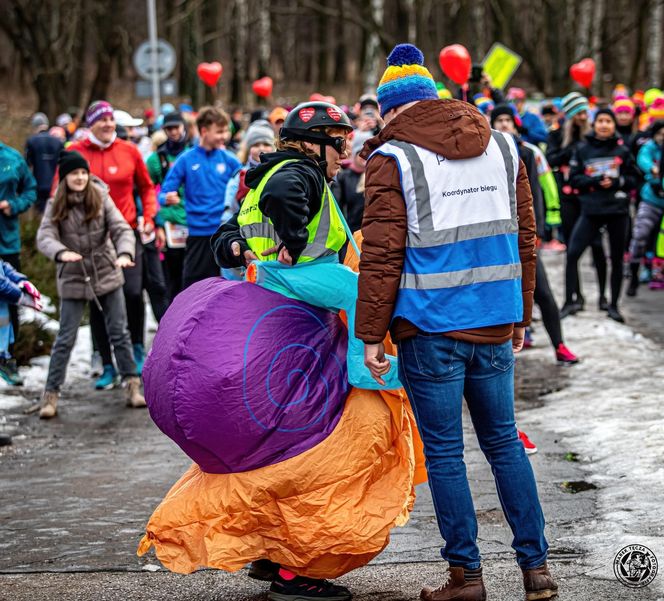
(611, 414)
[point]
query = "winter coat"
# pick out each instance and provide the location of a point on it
(535, 131)
(454, 130)
(292, 194)
(19, 188)
(349, 192)
(121, 167)
(530, 161)
(594, 158)
(100, 242)
(9, 280)
(204, 174)
(41, 153)
(559, 158)
(650, 156)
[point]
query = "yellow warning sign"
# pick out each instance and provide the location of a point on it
(500, 64)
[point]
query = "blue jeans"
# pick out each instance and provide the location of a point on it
(437, 373)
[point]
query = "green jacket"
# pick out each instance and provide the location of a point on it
(19, 188)
(172, 213)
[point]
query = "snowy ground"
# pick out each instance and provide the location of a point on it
(611, 414)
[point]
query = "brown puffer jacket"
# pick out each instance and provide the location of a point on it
(454, 130)
(99, 241)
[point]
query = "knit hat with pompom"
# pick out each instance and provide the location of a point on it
(405, 80)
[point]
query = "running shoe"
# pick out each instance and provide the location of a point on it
(528, 444)
(528, 339)
(288, 587)
(554, 246)
(108, 378)
(564, 355)
(614, 314)
(263, 569)
(570, 309)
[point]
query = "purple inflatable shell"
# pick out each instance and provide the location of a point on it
(241, 377)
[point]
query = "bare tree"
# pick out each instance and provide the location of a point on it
(654, 51)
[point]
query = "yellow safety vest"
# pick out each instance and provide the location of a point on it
(326, 231)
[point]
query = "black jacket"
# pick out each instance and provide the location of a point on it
(559, 158)
(530, 161)
(290, 197)
(41, 153)
(596, 157)
(351, 202)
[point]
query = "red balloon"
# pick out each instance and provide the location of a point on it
(316, 97)
(262, 87)
(455, 62)
(209, 73)
(583, 72)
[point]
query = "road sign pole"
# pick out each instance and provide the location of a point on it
(152, 33)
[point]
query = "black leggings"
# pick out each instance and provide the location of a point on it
(585, 231)
(547, 304)
(570, 211)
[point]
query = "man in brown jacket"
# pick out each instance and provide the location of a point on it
(448, 265)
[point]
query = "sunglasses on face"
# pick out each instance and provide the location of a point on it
(339, 144)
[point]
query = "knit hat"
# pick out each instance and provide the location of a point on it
(405, 80)
(574, 103)
(485, 104)
(656, 110)
(97, 110)
(259, 132)
(173, 119)
(606, 111)
(70, 161)
(516, 94)
(278, 113)
(624, 105)
(502, 109)
(549, 109)
(39, 121)
(63, 120)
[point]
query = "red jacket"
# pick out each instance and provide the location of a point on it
(121, 166)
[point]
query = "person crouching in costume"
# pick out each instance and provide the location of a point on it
(289, 229)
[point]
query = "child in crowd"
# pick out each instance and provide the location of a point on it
(86, 235)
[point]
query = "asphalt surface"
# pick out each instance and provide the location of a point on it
(76, 493)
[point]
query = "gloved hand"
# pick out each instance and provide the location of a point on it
(27, 300)
(30, 288)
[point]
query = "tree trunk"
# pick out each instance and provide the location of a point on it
(371, 66)
(596, 44)
(654, 48)
(264, 38)
(239, 57)
(584, 19)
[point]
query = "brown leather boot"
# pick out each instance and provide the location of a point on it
(458, 587)
(539, 583)
(49, 404)
(133, 394)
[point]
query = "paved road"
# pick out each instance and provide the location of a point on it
(76, 492)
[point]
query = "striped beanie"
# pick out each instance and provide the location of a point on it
(656, 110)
(486, 105)
(623, 105)
(405, 80)
(574, 103)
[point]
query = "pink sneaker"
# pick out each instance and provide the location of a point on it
(564, 355)
(554, 245)
(528, 445)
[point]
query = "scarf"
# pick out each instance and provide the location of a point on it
(97, 142)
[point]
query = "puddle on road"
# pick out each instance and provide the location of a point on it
(535, 378)
(577, 486)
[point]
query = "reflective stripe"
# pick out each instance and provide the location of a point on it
(464, 277)
(509, 167)
(427, 236)
(422, 196)
(259, 230)
(459, 234)
(318, 246)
